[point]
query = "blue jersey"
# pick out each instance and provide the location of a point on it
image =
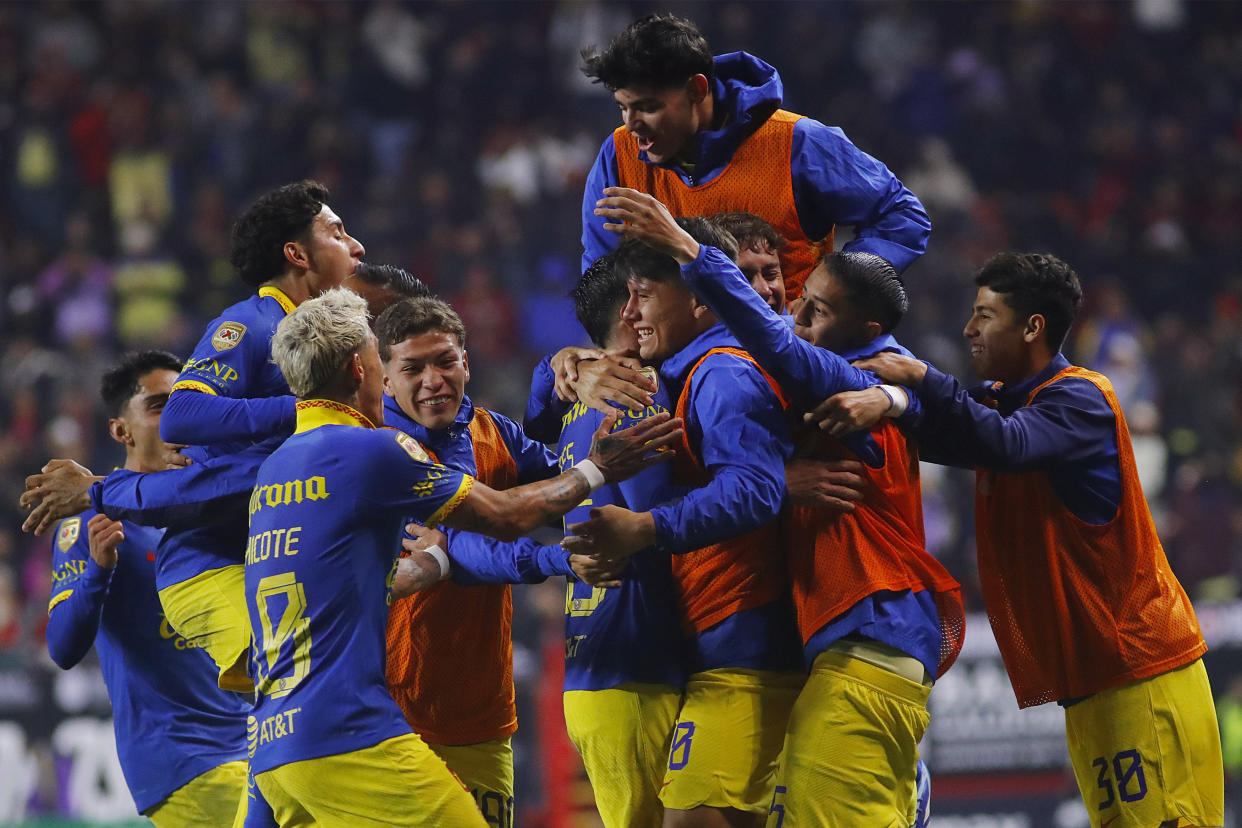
(325, 531)
(172, 722)
(244, 397)
(629, 633)
(203, 506)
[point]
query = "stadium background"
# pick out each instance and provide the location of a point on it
(456, 136)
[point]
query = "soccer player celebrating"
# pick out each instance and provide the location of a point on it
(708, 135)
(326, 516)
(880, 619)
(758, 254)
(440, 634)
(1084, 607)
(179, 737)
(291, 246)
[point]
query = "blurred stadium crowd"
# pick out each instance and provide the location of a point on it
(456, 137)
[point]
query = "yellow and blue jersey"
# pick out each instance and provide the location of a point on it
(629, 633)
(325, 532)
(202, 505)
(172, 722)
(243, 395)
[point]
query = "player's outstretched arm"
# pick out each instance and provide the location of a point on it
(614, 456)
(85, 573)
(60, 490)
(198, 418)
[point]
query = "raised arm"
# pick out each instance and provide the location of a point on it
(81, 575)
(834, 182)
(200, 418)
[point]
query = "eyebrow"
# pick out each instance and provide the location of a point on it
(153, 399)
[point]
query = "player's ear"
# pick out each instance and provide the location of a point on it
(119, 431)
(698, 88)
(872, 330)
(465, 363)
(297, 255)
(1035, 326)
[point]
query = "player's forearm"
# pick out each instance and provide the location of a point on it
(515, 512)
(805, 371)
(73, 620)
(737, 501)
(199, 419)
(479, 560)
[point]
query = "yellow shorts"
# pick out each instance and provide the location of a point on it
(851, 748)
(486, 769)
(1149, 752)
(728, 738)
(623, 735)
(209, 611)
(398, 782)
(211, 798)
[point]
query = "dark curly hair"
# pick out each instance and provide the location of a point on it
(656, 52)
(120, 383)
(1032, 283)
(275, 218)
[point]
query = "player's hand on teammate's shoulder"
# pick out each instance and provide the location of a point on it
(613, 379)
(895, 368)
(622, 454)
(637, 215)
(848, 411)
(828, 484)
(611, 534)
(564, 365)
(173, 458)
(103, 536)
(61, 490)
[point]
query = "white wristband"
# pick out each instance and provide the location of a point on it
(594, 477)
(899, 401)
(441, 558)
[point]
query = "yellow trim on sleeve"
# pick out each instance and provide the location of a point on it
(279, 295)
(194, 385)
(467, 483)
(58, 598)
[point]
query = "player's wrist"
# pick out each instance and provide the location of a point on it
(441, 558)
(591, 471)
(898, 400)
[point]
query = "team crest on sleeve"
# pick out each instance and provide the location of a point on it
(227, 336)
(413, 448)
(68, 534)
(651, 374)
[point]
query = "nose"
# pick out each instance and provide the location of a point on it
(970, 331)
(629, 311)
(631, 119)
(800, 314)
(763, 288)
(356, 249)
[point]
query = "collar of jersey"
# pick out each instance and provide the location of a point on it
(279, 295)
(316, 413)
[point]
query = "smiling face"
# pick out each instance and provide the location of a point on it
(663, 120)
(762, 268)
(331, 253)
(664, 315)
(427, 375)
(825, 317)
(1000, 341)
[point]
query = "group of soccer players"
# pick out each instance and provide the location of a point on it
(308, 623)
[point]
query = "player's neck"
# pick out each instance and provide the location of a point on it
(292, 285)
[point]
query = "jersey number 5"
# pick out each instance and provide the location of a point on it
(293, 624)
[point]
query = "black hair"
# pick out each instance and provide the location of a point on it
(1032, 283)
(398, 280)
(636, 260)
(413, 317)
(275, 218)
(120, 383)
(874, 288)
(749, 230)
(656, 52)
(598, 297)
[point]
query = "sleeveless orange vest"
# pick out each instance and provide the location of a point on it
(737, 574)
(837, 559)
(1078, 608)
(450, 650)
(757, 180)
